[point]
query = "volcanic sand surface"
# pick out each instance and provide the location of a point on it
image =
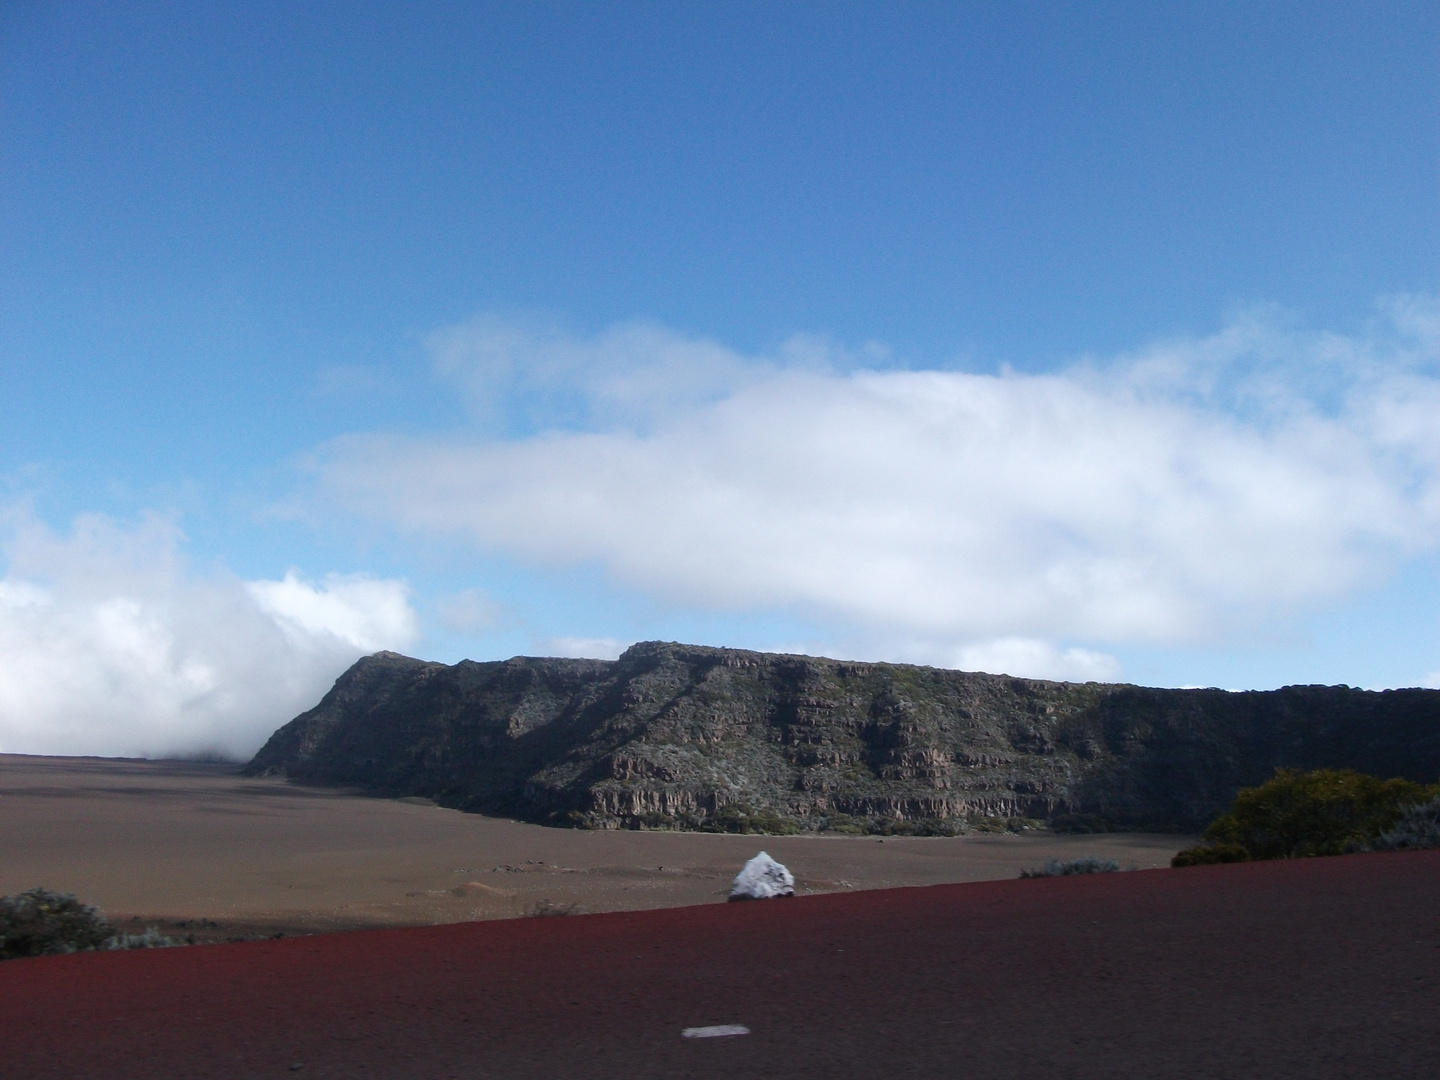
(199, 849)
(1304, 968)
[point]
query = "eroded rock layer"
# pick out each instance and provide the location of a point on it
(693, 737)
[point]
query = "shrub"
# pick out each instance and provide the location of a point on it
(743, 818)
(1058, 868)
(1418, 827)
(845, 824)
(941, 827)
(40, 922)
(986, 823)
(1207, 854)
(545, 909)
(1325, 812)
(150, 939)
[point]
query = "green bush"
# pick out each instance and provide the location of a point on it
(1208, 854)
(743, 818)
(940, 827)
(1295, 814)
(845, 824)
(39, 922)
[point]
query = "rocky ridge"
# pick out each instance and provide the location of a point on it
(684, 736)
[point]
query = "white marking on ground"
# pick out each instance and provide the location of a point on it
(715, 1031)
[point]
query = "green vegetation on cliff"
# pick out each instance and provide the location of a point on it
(681, 736)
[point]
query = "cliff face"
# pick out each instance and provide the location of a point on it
(694, 737)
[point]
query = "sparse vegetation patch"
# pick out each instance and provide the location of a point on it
(744, 818)
(1066, 867)
(544, 909)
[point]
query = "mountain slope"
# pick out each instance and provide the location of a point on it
(697, 737)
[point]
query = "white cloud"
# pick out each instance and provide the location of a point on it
(532, 374)
(1037, 660)
(110, 645)
(1030, 658)
(468, 611)
(360, 611)
(583, 648)
(1160, 498)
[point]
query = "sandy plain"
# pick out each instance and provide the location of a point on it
(198, 850)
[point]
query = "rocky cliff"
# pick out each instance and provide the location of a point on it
(692, 737)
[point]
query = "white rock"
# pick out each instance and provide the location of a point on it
(762, 879)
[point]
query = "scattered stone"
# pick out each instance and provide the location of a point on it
(762, 878)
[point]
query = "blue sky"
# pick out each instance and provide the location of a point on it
(1070, 340)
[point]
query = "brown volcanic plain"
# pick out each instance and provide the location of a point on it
(196, 849)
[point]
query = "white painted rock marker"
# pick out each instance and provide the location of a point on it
(762, 878)
(715, 1031)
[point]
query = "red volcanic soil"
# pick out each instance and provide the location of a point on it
(1308, 968)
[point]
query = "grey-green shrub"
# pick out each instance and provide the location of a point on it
(546, 908)
(1418, 827)
(1058, 868)
(150, 939)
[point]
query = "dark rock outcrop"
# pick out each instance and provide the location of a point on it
(694, 737)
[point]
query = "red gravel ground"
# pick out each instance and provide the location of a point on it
(1309, 968)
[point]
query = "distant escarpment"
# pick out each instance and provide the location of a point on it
(684, 736)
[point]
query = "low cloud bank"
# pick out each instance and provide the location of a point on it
(111, 645)
(1162, 498)
(584, 648)
(1036, 659)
